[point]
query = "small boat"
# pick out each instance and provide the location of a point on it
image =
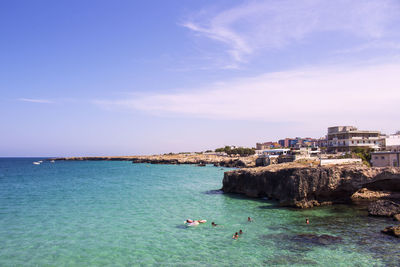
(52, 161)
(36, 163)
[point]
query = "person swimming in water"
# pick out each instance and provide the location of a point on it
(249, 219)
(214, 224)
(307, 221)
(240, 232)
(189, 221)
(235, 236)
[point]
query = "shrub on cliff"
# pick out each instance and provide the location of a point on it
(364, 154)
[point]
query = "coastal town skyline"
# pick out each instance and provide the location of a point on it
(99, 78)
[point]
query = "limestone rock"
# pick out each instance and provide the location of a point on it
(392, 230)
(303, 186)
(383, 208)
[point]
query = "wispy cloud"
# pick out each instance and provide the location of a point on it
(320, 95)
(36, 100)
(255, 26)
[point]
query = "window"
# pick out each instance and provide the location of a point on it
(376, 157)
(383, 157)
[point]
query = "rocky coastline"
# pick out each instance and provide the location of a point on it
(176, 159)
(303, 186)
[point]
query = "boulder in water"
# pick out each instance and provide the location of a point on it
(392, 230)
(383, 208)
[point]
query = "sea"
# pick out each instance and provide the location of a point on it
(115, 213)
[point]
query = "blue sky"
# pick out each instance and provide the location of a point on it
(140, 77)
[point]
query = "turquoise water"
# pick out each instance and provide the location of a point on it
(123, 214)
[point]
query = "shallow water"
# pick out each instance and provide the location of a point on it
(123, 214)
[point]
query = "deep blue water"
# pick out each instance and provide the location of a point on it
(88, 213)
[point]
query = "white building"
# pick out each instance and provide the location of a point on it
(275, 152)
(348, 138)
(391, 142)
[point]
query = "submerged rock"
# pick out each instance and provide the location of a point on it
(313, 239)
(322, 240)
(383, 208)
(392, 230)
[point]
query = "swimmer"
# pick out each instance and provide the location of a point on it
(235, 236)
(214, 224)
(249, 219)
(189, 221)
(307, 221)
(240, 232)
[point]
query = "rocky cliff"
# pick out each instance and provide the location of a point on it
(307, 186)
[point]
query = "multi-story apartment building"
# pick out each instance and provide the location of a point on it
(348, 138)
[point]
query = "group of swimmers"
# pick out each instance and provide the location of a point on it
(236, 235)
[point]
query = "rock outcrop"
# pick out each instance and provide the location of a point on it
(307, 186)
(392, 230)
(385, 208)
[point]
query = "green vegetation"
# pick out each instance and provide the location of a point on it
(364, 154)
(242, 151)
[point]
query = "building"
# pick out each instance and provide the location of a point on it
(289, 142)
(267, 145)
(348, 138)
(385, 159)
(393, 148)
(304, 152)
(275, 152)
(391, 141)
(322, 142)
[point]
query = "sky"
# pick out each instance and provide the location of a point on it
(95, 77)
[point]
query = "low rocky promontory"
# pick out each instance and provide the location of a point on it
(305, 186)
(198, 159)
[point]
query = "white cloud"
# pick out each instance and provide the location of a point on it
(257, 25)
(318, 95)
(35, 100)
